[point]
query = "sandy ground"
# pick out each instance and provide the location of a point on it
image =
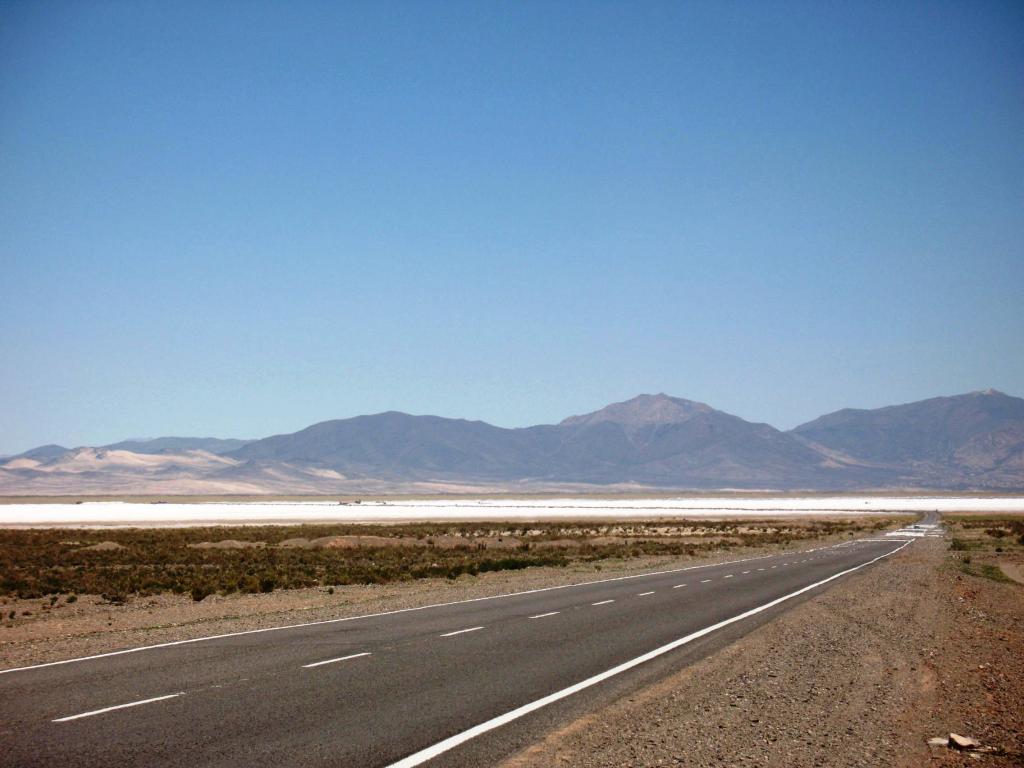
(862, 675)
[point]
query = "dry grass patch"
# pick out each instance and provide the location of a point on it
(988, 546)
(250, 559)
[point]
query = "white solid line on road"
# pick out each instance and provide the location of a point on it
(645, 594)
(118, 706)
(603, 602)
(543, 615)
(678, 586)
(418, 758)
(332, 661)
(174, 643)
(460, 631)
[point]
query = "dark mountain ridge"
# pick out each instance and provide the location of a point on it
(649, 440)
(972, 441)
(42, 453)
(965, 439)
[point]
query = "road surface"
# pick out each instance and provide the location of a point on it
(458, 684)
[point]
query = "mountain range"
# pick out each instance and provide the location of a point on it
(963, 442)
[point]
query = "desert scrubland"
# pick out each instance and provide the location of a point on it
(921, 645)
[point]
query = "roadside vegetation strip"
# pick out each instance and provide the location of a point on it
(429, 753)
(118, 563)
(117, 706)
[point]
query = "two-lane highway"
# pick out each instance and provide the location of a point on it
(441, 683)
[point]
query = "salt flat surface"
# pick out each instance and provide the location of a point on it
(122, 513)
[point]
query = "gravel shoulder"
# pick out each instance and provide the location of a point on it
(861, 675)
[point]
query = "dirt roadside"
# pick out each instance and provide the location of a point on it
(862, 675)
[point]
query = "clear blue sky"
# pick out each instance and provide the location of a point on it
(237, 219)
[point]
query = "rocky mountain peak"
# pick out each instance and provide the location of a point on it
(641, 411)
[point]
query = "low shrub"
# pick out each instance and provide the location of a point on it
(45, 562)
(200, 592)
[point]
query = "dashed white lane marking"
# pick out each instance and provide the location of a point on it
(544, 615)
(704, 581)
(727, 576)
(775, 566)
(603, 602)
(645, 594)
(888, 541)
(460, 631)
(333, 661)
(678, 586)
(118, 706)
(746, 572)
(451, 742)
(760, 569)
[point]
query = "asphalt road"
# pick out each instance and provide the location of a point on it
(458, 684)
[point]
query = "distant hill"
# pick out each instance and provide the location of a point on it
(42, 453)
(973, 441)
(157, 445)
(672, 442)
(398, 445)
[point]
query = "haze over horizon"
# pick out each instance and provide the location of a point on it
(239, 222)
